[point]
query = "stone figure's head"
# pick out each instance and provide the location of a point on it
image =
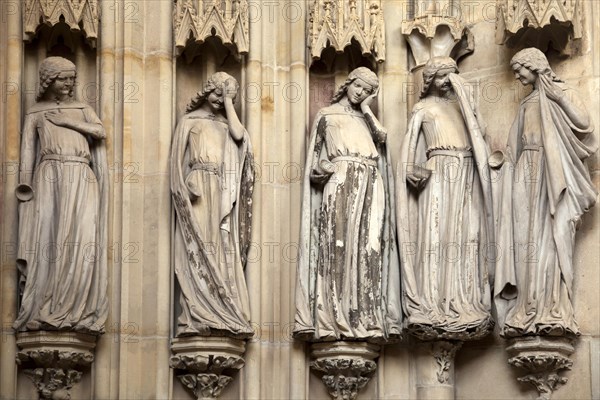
(360, 83)
(436, 73)
(214, 92)
(529, 63)
(57, 78)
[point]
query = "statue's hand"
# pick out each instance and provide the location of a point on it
(327, 166)
(229, 89)
(192, 185)
(24, 192)
(366, 103)
(418, 176)
(56, 118)
(552, 90)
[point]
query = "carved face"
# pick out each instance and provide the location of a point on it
(358, 90)
(441, 83)
(524, 75)
(215, 100)
(62, 85)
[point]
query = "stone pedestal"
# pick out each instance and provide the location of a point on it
(435, 369)
(206, 364)
(542, 358)
(347, 367)
(55, 361)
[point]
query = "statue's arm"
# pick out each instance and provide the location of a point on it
(416, 175)
(321, 168)
(575, 109)
(377, 130)
(91, 126)
(570, 104)
(236, 129)
(29, 139)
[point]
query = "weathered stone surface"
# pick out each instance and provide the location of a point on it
(347, 280)
(204, 365)
(445, 224)
(346, 367)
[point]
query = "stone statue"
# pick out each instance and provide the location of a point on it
(212, 179)
(445, 220)
(63, 194)
(548, 188)
(348, 276)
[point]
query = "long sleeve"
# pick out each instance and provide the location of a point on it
(28, 150)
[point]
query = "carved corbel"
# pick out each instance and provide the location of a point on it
(347, 367)
(543, 358)
(205, 365)
(338, 24)
(436, 32)
(200, 20)
(539, 23)
(55, 361)
(76, 14)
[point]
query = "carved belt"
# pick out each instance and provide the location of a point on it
(209, 167)
(452, 153)
(532, 147)
(56, 157)
(360, 160)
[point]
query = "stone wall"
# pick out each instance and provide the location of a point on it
(139, 89)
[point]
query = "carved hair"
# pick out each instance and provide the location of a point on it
(535, 61)
(50, 68)
(216, 81)
(432, 67)
(362, 73)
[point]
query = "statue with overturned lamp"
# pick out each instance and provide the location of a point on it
(212, 180)
(445, 219)
(63, 200)
(545, 188)
(348, 281)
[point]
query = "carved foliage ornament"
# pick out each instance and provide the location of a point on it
(202, 19)
(443, 353)
(54, 372)
(548, 20)
(339, 23)
(345, 377)
(543, 359)
(77, 14)
(346, 367)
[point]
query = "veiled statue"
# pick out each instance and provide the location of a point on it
(348, 277)
(63, 200)
(212, 179)
(445, 216)
(547, 188)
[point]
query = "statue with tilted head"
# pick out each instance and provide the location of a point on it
(212, 179)
(348, 285)
(548, 189)
(445, 224)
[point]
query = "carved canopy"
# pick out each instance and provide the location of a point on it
(339, 23)
(77, 14)
(436, 29)
(201, 19)
(547, 18)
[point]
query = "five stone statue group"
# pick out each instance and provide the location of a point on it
(428, 247)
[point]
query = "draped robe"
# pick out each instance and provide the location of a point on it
(62, 255)
(348, 276)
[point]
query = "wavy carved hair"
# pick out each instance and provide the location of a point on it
(362, 73)
(50, 68)
(535, 61)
